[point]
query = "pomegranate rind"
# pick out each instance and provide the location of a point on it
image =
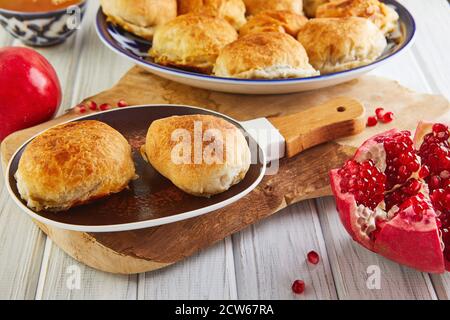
(423, 128)
(346, 206)
(366, 150)
(416, 245)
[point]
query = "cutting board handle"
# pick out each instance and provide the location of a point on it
(337, 118)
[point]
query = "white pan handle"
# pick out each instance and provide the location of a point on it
(267, 136)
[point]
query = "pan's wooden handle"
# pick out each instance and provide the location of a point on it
(340, 117)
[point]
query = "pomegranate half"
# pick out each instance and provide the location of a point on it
(393, 196)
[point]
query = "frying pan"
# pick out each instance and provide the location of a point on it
(153, 200)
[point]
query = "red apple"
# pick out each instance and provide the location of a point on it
(30, 92)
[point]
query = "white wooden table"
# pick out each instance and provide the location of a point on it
(258, 263)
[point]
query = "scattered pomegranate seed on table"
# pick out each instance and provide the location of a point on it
(122, 104)
(105, 106)
(298, 287)
(388, 117)
(372, 121)
(91, 105)
(379, 112)
(82, 109)
(313, 257)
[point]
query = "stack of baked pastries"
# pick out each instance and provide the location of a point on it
(259, 39)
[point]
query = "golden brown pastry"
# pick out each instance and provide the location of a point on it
(231, 10)
(337, 44)
(274, 21)
(382, 15)
(73, 164)
(270, 55)
(257, 6)
(222, 162)
(310, 7)
(140, 16)
(191, 42)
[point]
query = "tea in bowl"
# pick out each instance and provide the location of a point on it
(42, 23)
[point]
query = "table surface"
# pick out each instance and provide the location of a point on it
(260, 262)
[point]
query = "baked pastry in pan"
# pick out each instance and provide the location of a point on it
(73, 164)
(337, 44)
(274, 21)
(383, 16)
(310, 7)
(139, 17)
(256, 6)
(231, 10)
(191, 42)
(270, 55)
(172, 148)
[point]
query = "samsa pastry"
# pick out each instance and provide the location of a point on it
(139, 17)
(257, 6)
(73, 164)
(310, 7)
(274, 21)
(191, 42)
(383, 16)
(231, 10)
(270, 55)
(337, 44)
(222, 162)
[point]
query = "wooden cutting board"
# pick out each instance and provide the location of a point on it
(302, 177)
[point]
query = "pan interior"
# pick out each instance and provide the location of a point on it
(151, 196)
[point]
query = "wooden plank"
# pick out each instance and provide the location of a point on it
(61, 282)
(21, 247)
(270, 255)
(206, 275)
(431, 51)
(433, 42)
(351, 263)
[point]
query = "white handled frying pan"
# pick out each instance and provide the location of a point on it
(153, 200)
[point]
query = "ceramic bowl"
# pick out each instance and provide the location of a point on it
(41, 29)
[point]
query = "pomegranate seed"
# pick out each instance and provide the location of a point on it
(80, 109)
(434, 182)
(439, 127)
(122, 104)
(104, 107)
(313, 257)
(424, 172)
(372, 121)
(91, 105)
(413, 187)
(388, 117)
(379, 112)
(298, 286)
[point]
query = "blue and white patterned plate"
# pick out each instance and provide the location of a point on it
(136, 49)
